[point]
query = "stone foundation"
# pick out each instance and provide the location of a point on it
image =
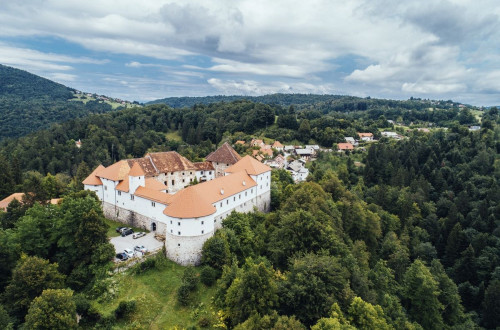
(185, 250)
(132, 219)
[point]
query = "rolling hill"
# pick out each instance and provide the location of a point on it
(29, 103)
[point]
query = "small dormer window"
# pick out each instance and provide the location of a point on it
(132, 197)
(119, 193)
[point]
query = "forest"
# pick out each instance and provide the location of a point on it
(29, 103)
(405, 235)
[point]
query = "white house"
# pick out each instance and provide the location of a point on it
(298, 171)
(187, 217)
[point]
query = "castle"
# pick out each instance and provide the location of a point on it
(155, 193)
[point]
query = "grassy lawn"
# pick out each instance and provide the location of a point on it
(174, 136)
(113, 224)
(155, 296)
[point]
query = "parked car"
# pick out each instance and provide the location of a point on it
(139, 234)
(129, 252)
(119, 229)
(122, 256)
(141, 248)
(127, 232)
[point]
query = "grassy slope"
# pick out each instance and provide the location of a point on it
(155, 294)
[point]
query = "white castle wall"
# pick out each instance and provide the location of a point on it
(184, 237)
(185, 250)
(181, 180)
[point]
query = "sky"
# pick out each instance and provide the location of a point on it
(150, 49)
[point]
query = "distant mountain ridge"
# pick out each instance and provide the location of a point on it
(278, 98)
(29, 103)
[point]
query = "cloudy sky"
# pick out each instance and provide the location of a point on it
(149, 49)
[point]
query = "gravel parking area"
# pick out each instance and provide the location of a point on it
(127, 242)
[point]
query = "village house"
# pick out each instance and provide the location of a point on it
(257, 143)
(305, 154)
(131, 193)
(365, 136)
(277, 145)
(298, 171)
(278, 162)
(342, 147)
(351, 140)
(392, 135)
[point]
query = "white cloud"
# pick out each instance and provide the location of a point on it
(424, 47)
(251, 87)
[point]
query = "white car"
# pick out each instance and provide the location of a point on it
(129, 252)
(141, 248)
(139, 234)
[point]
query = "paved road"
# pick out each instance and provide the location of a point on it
(127, 242)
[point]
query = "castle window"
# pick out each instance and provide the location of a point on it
(171, 231)
(119, 193)
(178, 223)
(170, 221)
(202, 231)
(173, 182)
(131, 197)
(153, 204)
(182, 173)
(179, 244)
(203, 222)
(246, 193)
(183, 180)
(220, 204)
(171, 173)
(178, 233)
(201, 172)
(165, 183)
(234, 199)
(239, 196)
(190, 172)
(227, 201)
(251, 190)
(215, 220)
(105, 187)
(191, 180)
(210, 173)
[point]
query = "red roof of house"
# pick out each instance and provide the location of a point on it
(345, 146)
(250, 165)
(197, 201)
(93, 179)
(225, 154)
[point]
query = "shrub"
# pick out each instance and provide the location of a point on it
(106, 322)
(190, 278)
(124, 309)
(183, 295)
(208, 275)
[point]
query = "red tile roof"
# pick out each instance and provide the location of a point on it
(204, 166)
(93, 179)
(225, 154)
(250, 165)
(116, 172)
(196, 201)
(154, 195)
(345, 146)
(170, 161)
(136, 170)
